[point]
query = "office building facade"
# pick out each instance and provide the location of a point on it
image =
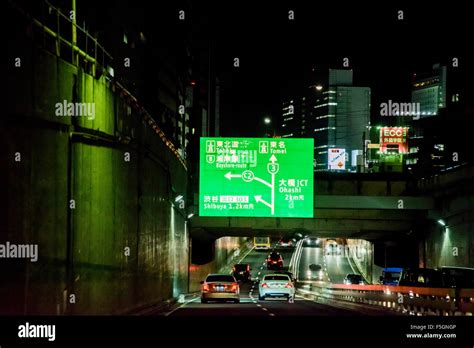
(336, 114)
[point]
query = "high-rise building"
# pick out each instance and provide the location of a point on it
(437, 139)
(336, 114)
(429, 90)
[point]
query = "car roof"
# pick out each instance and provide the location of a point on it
(393, 269)
(274, 274)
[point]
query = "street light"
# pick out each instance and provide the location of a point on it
(267, 120)
(441, 222)
(319, 88)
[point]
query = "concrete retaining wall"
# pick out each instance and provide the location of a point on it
(121, 243)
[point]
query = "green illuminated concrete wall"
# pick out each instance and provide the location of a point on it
(228, 250)
(123, 245)
(453, 244)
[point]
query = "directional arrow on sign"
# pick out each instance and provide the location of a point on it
(229, 175)
(273, 159)
(259, 199)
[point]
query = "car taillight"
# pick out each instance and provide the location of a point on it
(289, 285)
(248, 268)
(233, 269)
(264, 285)
(234, 287)
(205, 287)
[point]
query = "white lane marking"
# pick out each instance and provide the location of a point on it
(298, 252)
(246, 254)
(271, 314)
(264, 309)
(184, 304)
(259, 305)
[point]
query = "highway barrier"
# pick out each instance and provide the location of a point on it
(408, 300)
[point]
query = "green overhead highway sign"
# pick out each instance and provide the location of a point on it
(261, 177)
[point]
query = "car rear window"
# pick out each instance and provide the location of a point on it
(220, 278)
(240, 267)
(276, 277)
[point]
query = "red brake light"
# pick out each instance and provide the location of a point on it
(234, 287)
(233, 269)
(289, 285)
(205, 287)
(248, 268)
(264, 285)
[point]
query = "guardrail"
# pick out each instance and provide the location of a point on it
(402, 299)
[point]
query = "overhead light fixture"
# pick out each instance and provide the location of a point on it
(319, 88)
(190, 215)
(178, 198)
(441, 222)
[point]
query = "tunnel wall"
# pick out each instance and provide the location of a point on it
(228, 250)
(361, 253)
(106, 227)
(454, 245)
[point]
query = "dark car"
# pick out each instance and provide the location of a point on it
(285, 243)
(422, 277)
(289, 274)
(353, 279)
(241, 272)
(458, 277)
(312, 242)
(274, 261)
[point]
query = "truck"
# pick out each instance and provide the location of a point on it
(261, 243)
(391, 275)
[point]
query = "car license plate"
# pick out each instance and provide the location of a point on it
(220, 288)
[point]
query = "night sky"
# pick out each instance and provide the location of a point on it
(277, 55)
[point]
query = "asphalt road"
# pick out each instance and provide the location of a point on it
(251, 306)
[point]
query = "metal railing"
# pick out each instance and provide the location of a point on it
(81, 44)
(402, 299)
